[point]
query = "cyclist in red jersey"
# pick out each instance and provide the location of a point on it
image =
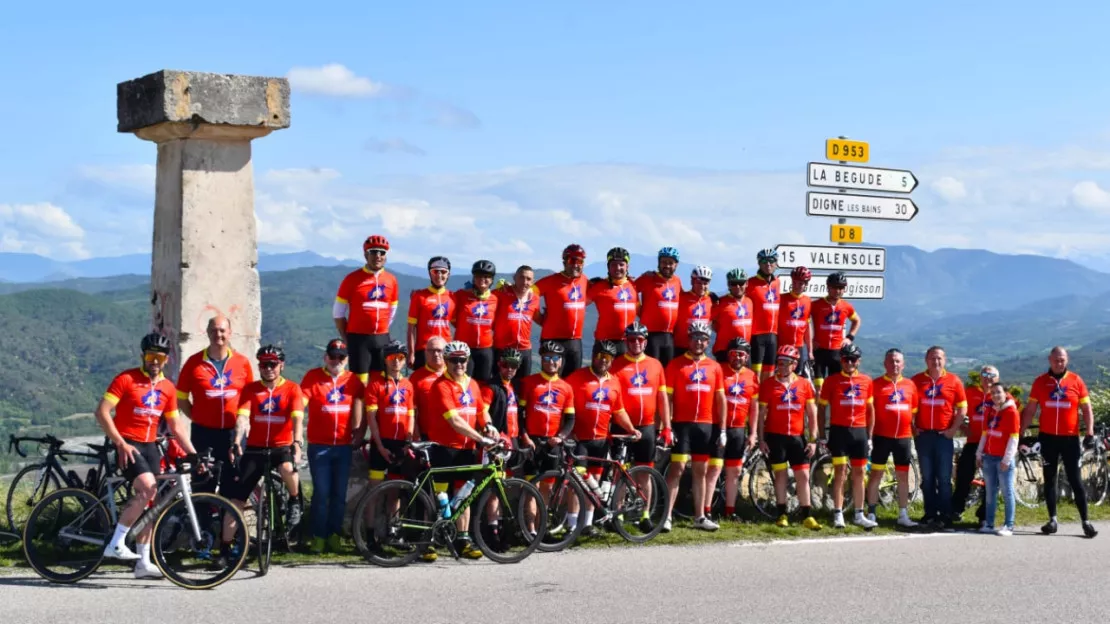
(422, 380)
(896, 402)
(996, 457)
(741, 390)
(614, 298)
(787, 418)
(548, 403)
(695, 386)
(517, 305)
(208, 388)
(732, 316)
(564, 307)
(695, 304)
(943, 405)
(431, 311)
(333, 400)
(140, 397)
(851, 409)
(390, 411)
(500, 398)
(763, 289)
(794, 312)
(659, 293)
(271, 417)
(597, 403)
(475, 309)
(830, 314)
(1060, 395)
(365, 305)
(978, 402)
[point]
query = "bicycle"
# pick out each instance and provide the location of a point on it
(416, 523)
(270, 502)
(187, 530)
(618, 498)
(34, 481)
(684, 502)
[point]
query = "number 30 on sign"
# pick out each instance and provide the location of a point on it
(846, 233)
(843, 149)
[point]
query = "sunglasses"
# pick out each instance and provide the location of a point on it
(267, 365)
(769, 262)
(509, 364)
(850, 359)
(604, 357)
(551, 358)
(737, 352)
(457, 361)
(635, 339)
(153, 357)
(375, 252)
(989, 375)
(575, 261)
(394, 357)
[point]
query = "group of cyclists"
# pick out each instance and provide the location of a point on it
(708, 376)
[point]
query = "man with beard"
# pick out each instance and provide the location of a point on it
(659, 305)
(615, 299)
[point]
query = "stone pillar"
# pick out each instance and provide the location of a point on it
(205, 247)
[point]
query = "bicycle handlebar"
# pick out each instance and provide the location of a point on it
(14, 442)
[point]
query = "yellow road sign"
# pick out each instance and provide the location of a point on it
(846, 233)
(843, 149)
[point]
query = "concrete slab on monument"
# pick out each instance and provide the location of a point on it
(170, 104)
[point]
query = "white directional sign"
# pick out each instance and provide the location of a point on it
(866, 178)
(820, 258)
(859, 287)
(860, 206)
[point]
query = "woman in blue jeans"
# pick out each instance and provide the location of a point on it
(997, 449)
(334, 400)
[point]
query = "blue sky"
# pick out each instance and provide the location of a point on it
(457, 127)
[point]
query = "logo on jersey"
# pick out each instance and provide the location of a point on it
(698, 375)
(575, 293)
(222, 380)
(833, 317)
(521, 306)
(737, 388)
(624, 295)
(994, 420)
(466, 399)
(798, 313)
(772, 296)
(742, 311)
(549, 397)
(376, 293)
(639, 379)
(335, 395)
(898, 396)
(270, 406)
(699, 310)
(934, 391)
(668, 293)
(151, 398)
(1059, 393)
(481, 309)
(852, 391)
(601, 394)
(440, 311)
(789, 396)
(397, 397)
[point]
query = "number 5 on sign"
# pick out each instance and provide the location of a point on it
(846, 233)
(843, 149)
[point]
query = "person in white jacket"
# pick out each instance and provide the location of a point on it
(997, 449)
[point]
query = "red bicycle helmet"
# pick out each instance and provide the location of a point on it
(377, 241)
(801, 274)
(788, 352)
(574, 250)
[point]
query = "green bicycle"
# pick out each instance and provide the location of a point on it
(398, 520)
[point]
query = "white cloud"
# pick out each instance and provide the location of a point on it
(43, 229)
(133, 177)
(1090, 195)
(449, 115)
(334, 80)
(949, 188)
(392, 145)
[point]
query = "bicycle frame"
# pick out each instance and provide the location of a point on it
(494, 472)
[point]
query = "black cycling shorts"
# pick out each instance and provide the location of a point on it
(254, 465)
(481, 365)
(787, 450)
(643, 450)
(736, 444)
(660, 345)
(764, 350)
(378, 464)
(827, 362)
(219, 440)
(692, 441)
(882, 448)
(543, 459)
(366, 352)
(147, 459)
(597, 449)
(848, 442)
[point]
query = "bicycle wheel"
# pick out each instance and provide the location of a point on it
(639, 511)
(29, 486)
(265, 527)
(520, 509)
(821, 484)
(563, 490)
(1093, 473)
(198, 564)
(393, 523)
(761, 487)
(65, 535)
(1028, 482)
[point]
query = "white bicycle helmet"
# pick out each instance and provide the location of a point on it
(703, 272)
(699, 327)
(456, 348)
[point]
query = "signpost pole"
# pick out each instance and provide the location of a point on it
(842, 220)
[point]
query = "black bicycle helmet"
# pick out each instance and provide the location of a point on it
(552, 347)
(483, 267)
(271, 352)
(439, 262)
(738, 343)
(636, 330)
(618, 253)
(850, 351)
(605, 346)
(510, 356)
(396, 346)
(837, 280)
(155, 342)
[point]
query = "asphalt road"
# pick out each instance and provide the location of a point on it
(946, 577)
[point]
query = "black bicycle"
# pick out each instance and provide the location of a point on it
(35, 481)
(270, 503)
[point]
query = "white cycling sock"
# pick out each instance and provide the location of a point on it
(119, 535)
(572, 521)
(589, 516)
(144, 552)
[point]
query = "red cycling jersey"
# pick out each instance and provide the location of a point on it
(431, 311)
(847, 397)
(732, 318)
(329, 401)
(596, 400)
(391, 402)
(1000, 426)
(895, 404)
(786, 404)
(422, 380)
(616, 305)
(659, 301)
(545, 399)
(641, 381)
(764, 294)
(741, 389)
(512, 420)
(565, 306)
(694, 385)
(474, 316)
(140, 403)
(1059, 402)
(793, 320)
(213, 394)
(271, 412)
(371, 301)
(449, 398)
(829, 320)
(938, 400)
(690, 308)
(512, 327)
